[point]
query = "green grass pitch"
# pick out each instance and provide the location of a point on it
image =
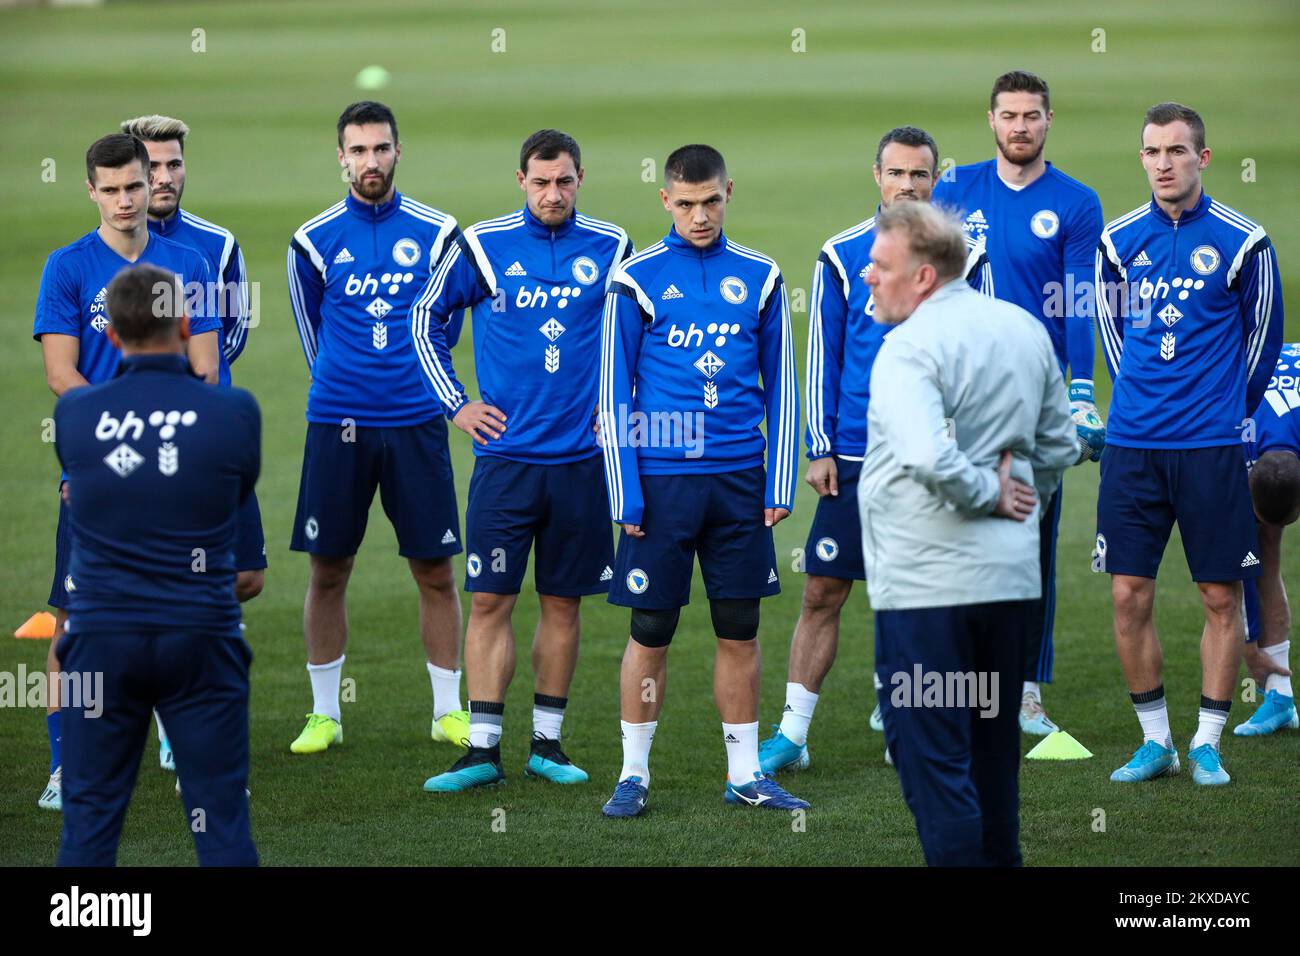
(630, 81)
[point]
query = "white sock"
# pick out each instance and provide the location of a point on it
(548, 716)
(800, 703)
(162, 731)
(1279, 653)
(1210, 725)
(1031, 687)
(446, 690)
(637, 739)
(1153, 715)
(742, 751)
(485, 718)
(325, 680)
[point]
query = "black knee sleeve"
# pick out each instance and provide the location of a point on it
(735, 619)
(654, 628)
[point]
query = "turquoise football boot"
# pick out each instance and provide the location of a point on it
(1150, 761)
(1276, 712)
(877, 721)
(480, 767)
(548, 761)
(1207, 766)
(779, 752)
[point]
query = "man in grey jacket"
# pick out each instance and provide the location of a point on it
(968, 430)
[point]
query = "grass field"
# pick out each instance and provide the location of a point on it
(630, 81)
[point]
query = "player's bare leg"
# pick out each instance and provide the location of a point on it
(736, 670)
(555, 657)
(490, 646)
(439, 611)
(817, 632)
(812, 653)
(1221, 642)
(1142, 660)
(325, 628)
(555, 645)
(643, 678)
(642, 681)
(440, 634)
(1140, 655)
(1267, 658)
(489, 668)
(1221, 639)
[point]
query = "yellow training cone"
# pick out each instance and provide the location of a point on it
(1059, 745)
(39, 625)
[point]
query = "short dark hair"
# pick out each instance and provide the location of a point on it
(695, 163)
(115, 151)
(367, 111)
(549, 144)
(1020, 81)
(1162, 114)
(1275, 487)
(908, 136)
(144, 303)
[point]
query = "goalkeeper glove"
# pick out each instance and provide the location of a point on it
(1088, 424)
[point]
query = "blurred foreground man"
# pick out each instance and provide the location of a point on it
(158, 465)
(968, 430)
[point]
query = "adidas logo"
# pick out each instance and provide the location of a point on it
(671, 292)
(1142, 259)
(977, 216)
(1249, 561)
(448, 538)
(607, 574)
(771, 576)
(516, 269)
(343, 256)
(730, 739)
(788, 709)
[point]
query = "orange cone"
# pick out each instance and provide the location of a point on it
(40, 626)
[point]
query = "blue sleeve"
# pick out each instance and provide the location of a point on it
(437, 316)
(234, 295)
(58, 308)
(979, 274)
(1082, 237)
(826, 320)
(1260, 298)
(1110, 296)
(622, 328)
(781, 395)
(196, 283)
(306, 291)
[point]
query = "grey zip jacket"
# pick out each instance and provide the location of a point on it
(963, 378)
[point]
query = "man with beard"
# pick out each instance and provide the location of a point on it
(164, 137)
(1040, 230)
(369, 420)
